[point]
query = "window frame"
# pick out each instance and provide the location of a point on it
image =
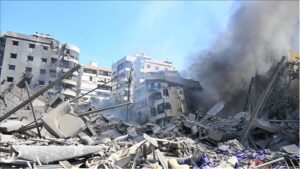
(31, 46)
(15, 41)
(29, 56)
(12, 67)
(13, 54)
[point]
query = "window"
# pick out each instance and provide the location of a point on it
(163, 106)
(29, 58)
(15, 43)
(53, 60)
(155, 96)
(13, 55)
(91, 78)
(11, 67)
(68, 51)
(156, 68)
(28, 69)
(50, 82)
(41, 83)
(31, 46)
(44, 60)
(153, 111)
(45, 47)
(148, 66)
(166, 92)
(42, 71)
(9, 79)
(52, 73)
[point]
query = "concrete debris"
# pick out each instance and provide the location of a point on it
(62, 122)
(52, 153)
(173, 136)
(11, 125)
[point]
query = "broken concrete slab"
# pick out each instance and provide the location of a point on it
(151, 140)
(214, 110)
(161, 159)
(291, 149)
(62, 122)
(131, 131)
(215, 135)
(11, 125)
(265, 125)
(52, 153)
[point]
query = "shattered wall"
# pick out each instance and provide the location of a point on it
(258, 34)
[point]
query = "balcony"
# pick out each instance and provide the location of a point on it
(69, 81)
(70, 59)
(68, 92)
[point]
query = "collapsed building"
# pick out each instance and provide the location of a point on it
(174, 137)
(162, 95)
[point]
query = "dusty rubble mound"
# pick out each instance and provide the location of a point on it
(41, 133)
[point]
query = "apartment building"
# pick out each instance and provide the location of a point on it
(162, 95)
(40, 54)
(93, 76)
(121, 71)
(137, 66)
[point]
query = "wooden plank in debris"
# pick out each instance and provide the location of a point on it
(162, 159)
(151, 140)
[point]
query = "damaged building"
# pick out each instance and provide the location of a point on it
(43, 56)
(173, 137)
(161, 95)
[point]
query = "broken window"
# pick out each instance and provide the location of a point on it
(15, 43)
(91, 78)
(28, 69)
(42, 71)
(31, 46)
(13, 55)
(9, 79)
(29, 58)
(163, 106)
(53, 60)
(44, 60)
(166, 92)
(45, 47)
(41, 83)
(153, 111)
(52, 73)
(11, 67)
(155, 96)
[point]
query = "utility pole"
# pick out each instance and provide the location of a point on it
(128, 94)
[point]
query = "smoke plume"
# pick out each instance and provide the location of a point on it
(258, 34)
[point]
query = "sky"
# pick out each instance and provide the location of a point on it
(105, 31)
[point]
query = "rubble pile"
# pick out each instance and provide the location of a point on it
(58, 134)
(106, 142)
